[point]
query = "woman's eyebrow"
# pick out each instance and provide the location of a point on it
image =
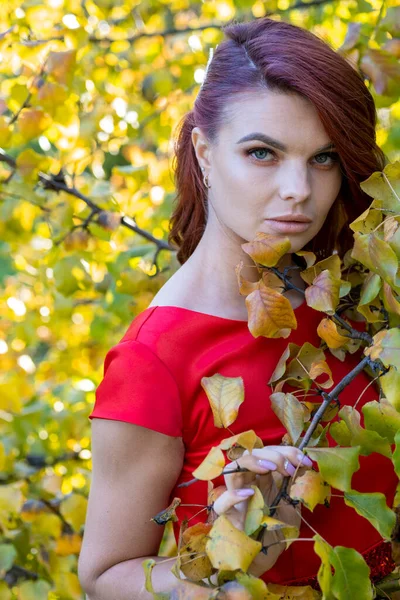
(271, 142)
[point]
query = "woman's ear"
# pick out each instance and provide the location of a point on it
(201, 148)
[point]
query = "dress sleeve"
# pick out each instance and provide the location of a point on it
(138, 388)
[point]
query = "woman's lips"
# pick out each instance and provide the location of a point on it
(288, 226)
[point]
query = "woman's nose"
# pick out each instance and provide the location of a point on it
(295, 184)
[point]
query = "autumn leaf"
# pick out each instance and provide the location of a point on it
(247, 440)
(328, 331)
(290, 412)
(225, 395)
(323, 294)
(311, 490)
(267, 250)
(386, 347)
(331, 263)
(254, 512)
(168, 514)
(211, 466)
(194, 562)
(270, 314)
(245, 286)
(229, 548)
(290, 532)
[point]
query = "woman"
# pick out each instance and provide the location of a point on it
(281, 134)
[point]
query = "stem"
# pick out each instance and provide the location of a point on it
(328, 398)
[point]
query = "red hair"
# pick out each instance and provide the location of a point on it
(265, 54)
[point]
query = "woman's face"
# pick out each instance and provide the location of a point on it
(254, 181)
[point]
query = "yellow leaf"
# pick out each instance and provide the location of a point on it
(194, 562)
(267, 249)
(73, 509)
(212, 466)
(67, 585)
(6, 133)
(225, 395)
(254, 513)
(61, 65)
(332, 264)
(68, 544)
(311, 490)
(270, 314)
(2, 457)
(290, 532)
(228, 548)
(247, 440)
(46, 526)
(328, 331)
(29, 164)
(321, 368)
(52, 95)
(5, 592)
(245, 286)
(290, 592)
(11, 501)
(32, 122)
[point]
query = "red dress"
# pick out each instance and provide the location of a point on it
(152, 378)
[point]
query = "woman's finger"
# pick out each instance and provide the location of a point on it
(231, 498)
(255, 466)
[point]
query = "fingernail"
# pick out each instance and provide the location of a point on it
(305, 460)
(267, 464)
(245, 492)
(289, 468)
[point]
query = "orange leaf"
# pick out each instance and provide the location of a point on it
(328, 331)
(270, 314)
(266, 249)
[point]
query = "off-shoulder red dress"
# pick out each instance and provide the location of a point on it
(152, 378)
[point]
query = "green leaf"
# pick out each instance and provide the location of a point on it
(34, 590)
(7, 556)
(396, 454)
(385, 186)
(382, 418)
(323, 549)
(336, 465)
(373, 507)
(368, 441)
(351, 577)
(390, 383)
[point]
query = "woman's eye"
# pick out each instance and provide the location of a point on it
(260, 150)
(332, 158)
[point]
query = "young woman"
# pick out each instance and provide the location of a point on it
(279, 138)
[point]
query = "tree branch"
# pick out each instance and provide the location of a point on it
(50, 183)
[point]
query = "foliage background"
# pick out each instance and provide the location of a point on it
(90, 95)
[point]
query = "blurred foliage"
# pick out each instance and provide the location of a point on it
(90, 94)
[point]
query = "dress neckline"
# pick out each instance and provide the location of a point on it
(299, 308)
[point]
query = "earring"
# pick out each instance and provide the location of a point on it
(205, 179)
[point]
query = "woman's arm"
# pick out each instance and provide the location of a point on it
(134, 471)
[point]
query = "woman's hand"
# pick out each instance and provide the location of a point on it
(233, 502)
(266, 467)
